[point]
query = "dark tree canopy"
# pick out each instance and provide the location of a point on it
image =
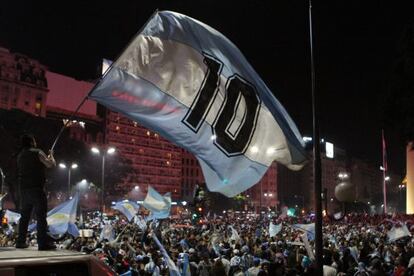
(14, 123)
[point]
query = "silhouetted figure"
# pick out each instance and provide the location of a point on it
(31, 165)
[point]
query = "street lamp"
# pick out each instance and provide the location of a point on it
(109, 151)
(343, 175)
(73, 166)
(303, 200)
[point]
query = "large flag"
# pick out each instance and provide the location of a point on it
(159, 205)
(61, 219)
(187, 81)
(127, 208)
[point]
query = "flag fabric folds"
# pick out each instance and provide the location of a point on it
(127, 208)
(307, 228)
(398, 232)
(12, 217)
(142, 224)
(108, 233)
(188, 82)
(171, 265)
(159, 205)
(274, 229)
(61, 219)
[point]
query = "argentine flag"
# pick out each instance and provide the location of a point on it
(309, 229)
(126, 207)
(159, 205)
(274, 229)
(61, 219)
(171, 265)
(12, 217)
(188, 82)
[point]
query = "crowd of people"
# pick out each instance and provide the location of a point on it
(240, 244)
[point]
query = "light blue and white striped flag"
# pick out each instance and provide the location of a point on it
(12, 217)
(274, 229)
(127, 208)
(171, 265)
(159, 205)
(188, 82)
(108, 233)
(61, 219)
(307, 228)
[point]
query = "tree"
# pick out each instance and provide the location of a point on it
(15, 122)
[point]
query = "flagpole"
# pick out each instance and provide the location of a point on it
(99, 81)
(316, 158)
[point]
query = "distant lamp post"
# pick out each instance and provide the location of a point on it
(401, 188)
(302, 199)
(73, 166)
(97, 151)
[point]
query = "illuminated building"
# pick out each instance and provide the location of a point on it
(23, 83)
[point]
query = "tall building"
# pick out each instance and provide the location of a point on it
(23, 83)
(264, 194)
(156, 161)
(191, 175)
(296, 188)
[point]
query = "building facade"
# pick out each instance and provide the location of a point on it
(23, 83)
(156, 161)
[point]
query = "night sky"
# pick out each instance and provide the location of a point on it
(355, 47)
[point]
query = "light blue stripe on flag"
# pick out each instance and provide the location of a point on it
(127, 208)
(186, 81)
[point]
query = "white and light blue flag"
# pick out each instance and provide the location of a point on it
(108, 233)
(307, 228)
(61, 219)
(159, 205)
(127, 208)
(274, 229)
(171, 265)
(12, 217)
(397, 233)
(142, 224)
(188, 82)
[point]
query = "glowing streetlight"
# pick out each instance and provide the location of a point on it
(73, 166)
(109, 151)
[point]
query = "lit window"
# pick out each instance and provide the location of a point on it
(117, 128)
(148, 133)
